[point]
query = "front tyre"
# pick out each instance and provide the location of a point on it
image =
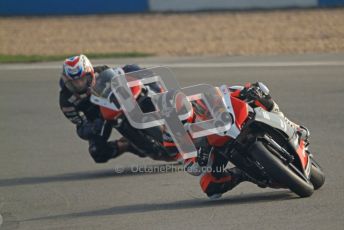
(317, 175)
(279, 171)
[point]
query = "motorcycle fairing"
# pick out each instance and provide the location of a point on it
(239, 114)
(279, 123)
(274, 120)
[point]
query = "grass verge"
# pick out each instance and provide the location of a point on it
(44, 58)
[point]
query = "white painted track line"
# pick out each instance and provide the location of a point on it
(36, 66)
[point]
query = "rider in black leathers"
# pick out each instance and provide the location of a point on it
(77, 77)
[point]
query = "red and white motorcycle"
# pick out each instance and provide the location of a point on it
(144, 142)
(268, 147)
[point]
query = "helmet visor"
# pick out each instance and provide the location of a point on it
(79, 85)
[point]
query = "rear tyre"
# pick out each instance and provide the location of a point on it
(317, 175)
(280, 172)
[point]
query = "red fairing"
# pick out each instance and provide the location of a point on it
(136, 90)
(241, 113)
(109, 114)
(302, 155)
(240, 110)
(217, 141)
(203, 115)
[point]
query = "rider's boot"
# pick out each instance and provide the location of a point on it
(215, 187)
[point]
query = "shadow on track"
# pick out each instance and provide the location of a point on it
(91, 175)
(184, 204)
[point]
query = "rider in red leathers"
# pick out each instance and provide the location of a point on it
(218, 180)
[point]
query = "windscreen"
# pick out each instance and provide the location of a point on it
(102, 88)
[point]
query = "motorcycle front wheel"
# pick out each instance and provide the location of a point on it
(279, 171)
(317, 175)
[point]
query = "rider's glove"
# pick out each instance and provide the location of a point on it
(257, 92)
(252, 92)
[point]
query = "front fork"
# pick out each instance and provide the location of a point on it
(302, 155)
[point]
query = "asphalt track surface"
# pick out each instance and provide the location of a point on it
(48, 180)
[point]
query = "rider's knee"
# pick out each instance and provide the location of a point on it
(101, 153)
